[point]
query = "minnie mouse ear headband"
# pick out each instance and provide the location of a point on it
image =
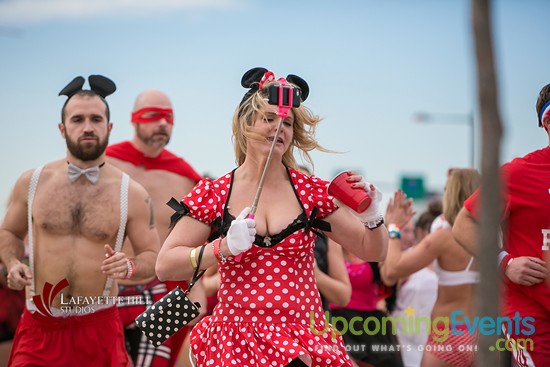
(256, 77)
(99, 84)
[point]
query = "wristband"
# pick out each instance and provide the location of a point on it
(501, 255)
(131, 268)
(505, 262)
(217, 251)
(193, 257)
(393, 231)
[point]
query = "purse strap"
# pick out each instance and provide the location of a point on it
(198, 271)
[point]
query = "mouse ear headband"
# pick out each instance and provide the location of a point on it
(99, 84)
(256, 77)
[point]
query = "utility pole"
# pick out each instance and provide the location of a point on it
(491, 130)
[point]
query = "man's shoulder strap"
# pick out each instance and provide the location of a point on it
(124, 184)
(33, 184)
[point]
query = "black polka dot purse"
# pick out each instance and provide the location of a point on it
(170, 313)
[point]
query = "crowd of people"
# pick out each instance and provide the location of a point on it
(293, 275)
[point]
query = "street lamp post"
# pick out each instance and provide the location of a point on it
(452, 119)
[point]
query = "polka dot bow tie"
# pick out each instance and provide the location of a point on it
(92, 173)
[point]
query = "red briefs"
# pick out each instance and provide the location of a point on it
(458, 350)
(95, 339)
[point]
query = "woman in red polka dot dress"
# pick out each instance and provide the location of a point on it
(269, 311)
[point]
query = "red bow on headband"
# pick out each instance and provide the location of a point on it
(269, 77)
(153, 114)
(266, 78)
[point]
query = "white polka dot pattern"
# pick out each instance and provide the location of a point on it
(166, 316)
(269, 311)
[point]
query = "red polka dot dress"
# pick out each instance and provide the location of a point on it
(269, 311)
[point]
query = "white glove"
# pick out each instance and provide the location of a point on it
(242, 233)
(373, 212)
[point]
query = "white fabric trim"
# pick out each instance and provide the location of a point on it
(33, 184)
(122, 226)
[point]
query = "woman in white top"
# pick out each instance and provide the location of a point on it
(449, 343)
(417, 291)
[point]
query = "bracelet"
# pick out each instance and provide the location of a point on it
(131, 268)
(375, 224)
(217, 251)
(193, 257)
(393, 231)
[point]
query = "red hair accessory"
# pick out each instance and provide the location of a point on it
(153, 114)
(266, 78)
(255, 79)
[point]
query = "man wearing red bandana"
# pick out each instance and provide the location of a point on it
(164, 175)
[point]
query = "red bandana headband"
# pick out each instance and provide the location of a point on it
(153, 114)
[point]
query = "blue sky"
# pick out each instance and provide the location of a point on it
(371, 66)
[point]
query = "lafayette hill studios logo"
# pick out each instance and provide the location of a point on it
(43, 302)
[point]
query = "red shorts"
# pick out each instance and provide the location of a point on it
(456, 349)
(12, 304)
(530, 349)
(94, 339)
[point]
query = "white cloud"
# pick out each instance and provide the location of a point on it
(28, 11)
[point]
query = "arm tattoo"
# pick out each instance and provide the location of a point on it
(151, 213)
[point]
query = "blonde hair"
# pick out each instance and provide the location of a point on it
(305, 123)
(460, 185)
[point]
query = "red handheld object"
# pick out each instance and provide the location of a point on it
(356, 199)
(283, 109)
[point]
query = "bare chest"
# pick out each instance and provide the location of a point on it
(78, 209)
(161, 186)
